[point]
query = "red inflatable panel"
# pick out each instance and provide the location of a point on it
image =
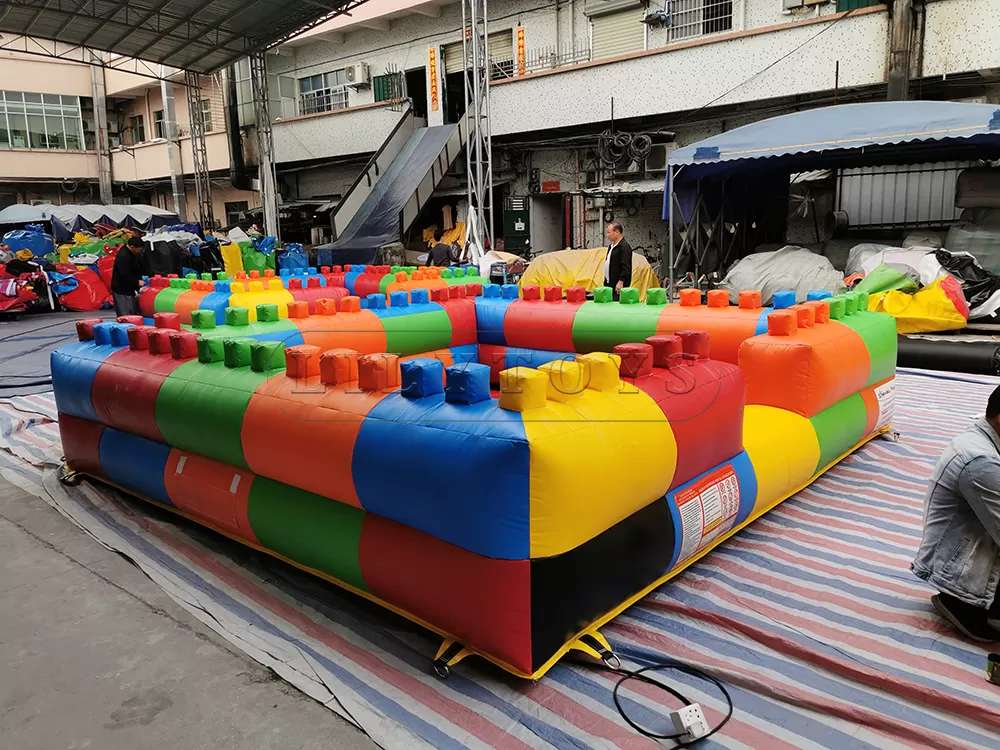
(125, 388)
(495, 356)
(462, 313)
(703, 400)
(212, 492)
(367, 283)
(310, 294)
(426, 577)
(540, 324)
(81, 440)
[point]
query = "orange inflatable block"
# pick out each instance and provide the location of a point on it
(213, 492)
(352, 328)
(803, 366)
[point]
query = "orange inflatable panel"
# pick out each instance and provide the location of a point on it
(727, 326)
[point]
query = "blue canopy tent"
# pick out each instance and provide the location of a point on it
(707, 180)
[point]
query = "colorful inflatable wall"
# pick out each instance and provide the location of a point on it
(509, 471)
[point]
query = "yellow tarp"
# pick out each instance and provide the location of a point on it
(232, 258)
(937, 307)
(584, 268)
(454, 236)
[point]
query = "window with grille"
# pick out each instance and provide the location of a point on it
(135, 133)
(388, 87)
(323, 93)
(692, 18)
(205, 112)
(158, 129)
(42, 121)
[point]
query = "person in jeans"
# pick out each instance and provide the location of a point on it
(960, 551)
(126, 277)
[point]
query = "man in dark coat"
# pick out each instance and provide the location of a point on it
(126, 277)
(618, 261)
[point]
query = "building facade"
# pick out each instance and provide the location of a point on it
(566, 72)
(51, 149)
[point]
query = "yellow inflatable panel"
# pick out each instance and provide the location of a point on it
(252, 293)
(784, 450)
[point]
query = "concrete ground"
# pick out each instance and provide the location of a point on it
(94, 655)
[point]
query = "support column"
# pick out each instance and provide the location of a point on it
(101, 121)
(173, 147)
(199, 153)
(479, 143)
(900, 36)
(265, 145)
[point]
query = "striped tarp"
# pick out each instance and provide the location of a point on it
(810, 615)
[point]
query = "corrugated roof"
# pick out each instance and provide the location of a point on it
(199, 35)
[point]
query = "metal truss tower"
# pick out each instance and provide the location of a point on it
(202, 178)
(479, 144)
(265, 145)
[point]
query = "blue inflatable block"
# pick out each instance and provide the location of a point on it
(516, 357)
(818, 294)
(363, 303)
(467, 383)
(217, 302)
(783, 299)
(421, 377)
(492, 291)
(419, 296)
(399, 299)
(746, 479)
(510, 291)
(135, 463)
(762, 321)
(284, 272)
(312, 270)
(411, 309)
(465, 353)
(418, 434)
(490, 312)
(119, 335)
(376, 301)
(73, 370)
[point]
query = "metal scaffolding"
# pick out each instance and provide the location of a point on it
(202, 178)
(265, 145)
(479, 146)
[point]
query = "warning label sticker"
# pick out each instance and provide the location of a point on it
(708, 509)
(886, 395)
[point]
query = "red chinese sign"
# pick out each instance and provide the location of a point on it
(433, 69)
(551, 186)
(520, 51)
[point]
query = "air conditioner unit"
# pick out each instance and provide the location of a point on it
(659, 156)
(115, 141)
(358, 74)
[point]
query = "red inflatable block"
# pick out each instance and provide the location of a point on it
(462, 314)
(295, 283)
(667, 349)
(576, 294)
(423, 576)
(138, 338)
(167, 320)
(184, 345)
(637, 359)
(456, 292)
(81, 441)
(530, 293)
(127, 383)
(255, 274)
(440, 294)
(473, 290)
(159, 341)
(695, 344)
(85, 328)
(211, 492)
(135, 320)
(552, 294)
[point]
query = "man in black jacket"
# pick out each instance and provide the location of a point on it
(440, 254)
(618, 261)
(126, 277)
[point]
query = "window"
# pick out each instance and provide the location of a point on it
(282, 91)
(388, 87)
(40, 121)
(323, 93)
(235, 211)
(135, 133)
(691, 18)
(618, 32)
(205, 108)
(158, 130)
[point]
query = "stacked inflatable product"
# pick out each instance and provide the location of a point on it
(366, 445)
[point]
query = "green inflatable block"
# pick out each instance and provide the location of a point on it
(237, 316)
(237, 351)
(206, 277)
(850, 304)
(458, 273)
(395, 269)
(839, 428)
(604, 294)
(656, 296)
(629, 296)
(267, 312)
(599, 327)
(447, 274)
(210, 350)
(267, 356)
(416, 333)
(862, 299)
(200, 408)
(314, 531)
(191, 276)
(222, 276)
(202, 320)
(837, 307)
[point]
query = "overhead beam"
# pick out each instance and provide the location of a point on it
(122, 37)
(376, 24)
(430, 10)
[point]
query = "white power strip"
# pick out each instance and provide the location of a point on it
(689, 723)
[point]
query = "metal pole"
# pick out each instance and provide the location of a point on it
(265, 145)
(670, 243)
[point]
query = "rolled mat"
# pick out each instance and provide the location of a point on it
(975, 357)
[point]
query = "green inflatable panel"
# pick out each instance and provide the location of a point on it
(200, 408)
(276, 331)
(166, 298)
(839, 428)
(463, 280)
(600, 326)
(383, 284)
(878, 331)
(413, 334)
(312, 530)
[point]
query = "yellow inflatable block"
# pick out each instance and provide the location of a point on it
(602, 371)
(576, 491)
(232, 258)
(257, 294)
(783, 449)
(522, 388)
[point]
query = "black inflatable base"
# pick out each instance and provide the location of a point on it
(975, 357)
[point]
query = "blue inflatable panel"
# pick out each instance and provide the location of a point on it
(465, 353)
(349, 278)
(420, 434)
(287, 336)
(395, 311)
(73, 370)
(217, 302)
(713, 495)
(135, 463)
(762, 321)
(534, 358)
(490, 312)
